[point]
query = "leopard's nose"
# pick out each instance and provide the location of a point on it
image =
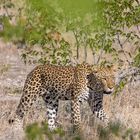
(109, 90)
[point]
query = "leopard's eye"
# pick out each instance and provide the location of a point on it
(105, 78)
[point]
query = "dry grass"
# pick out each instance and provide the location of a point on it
(125, 107)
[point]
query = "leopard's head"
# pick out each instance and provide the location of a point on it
(102, 79)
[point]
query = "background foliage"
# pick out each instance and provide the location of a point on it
(99, 25)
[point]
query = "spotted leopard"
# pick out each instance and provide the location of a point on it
(76, 83)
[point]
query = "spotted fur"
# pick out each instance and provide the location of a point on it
(76, 83)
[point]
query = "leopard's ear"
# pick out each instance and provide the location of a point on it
(113, 68)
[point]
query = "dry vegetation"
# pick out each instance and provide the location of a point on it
(124, 108)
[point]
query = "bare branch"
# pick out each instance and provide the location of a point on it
(129, 72)
(99, 57)
(121, 45)
(77, 45)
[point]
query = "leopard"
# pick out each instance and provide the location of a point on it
(80, 83)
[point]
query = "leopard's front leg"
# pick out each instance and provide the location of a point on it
(96, 104)
(76, 116)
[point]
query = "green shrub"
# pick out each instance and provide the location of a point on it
(116, 130)
(41, 132)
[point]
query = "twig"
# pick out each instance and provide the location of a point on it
(125, 41)
(101, 52)
(121, 45)
(85, 48)
(77, 45)
(100, 55)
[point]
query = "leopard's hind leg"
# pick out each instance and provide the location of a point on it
(33, 88)
(52, 109)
